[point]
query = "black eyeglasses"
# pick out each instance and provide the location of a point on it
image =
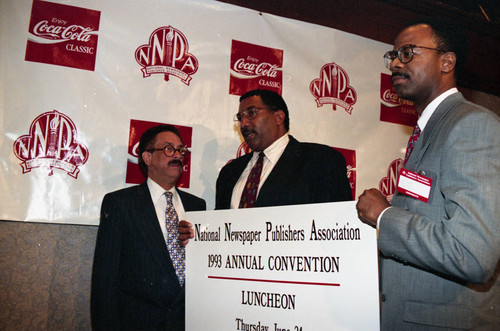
(170, 150)
(404, 54)
(250, 113)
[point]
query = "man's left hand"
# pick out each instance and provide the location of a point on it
(186, 232)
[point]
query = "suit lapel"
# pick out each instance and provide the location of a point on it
(284, 169)
(147, 224)
(238, 169)
(433, 127)
(186, 200)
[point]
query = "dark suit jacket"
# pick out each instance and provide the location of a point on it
(305, 173)
(134, 286)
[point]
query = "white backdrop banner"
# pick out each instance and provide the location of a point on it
(305, 267)
(80, 78)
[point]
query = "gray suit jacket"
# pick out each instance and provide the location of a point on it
(439, 260)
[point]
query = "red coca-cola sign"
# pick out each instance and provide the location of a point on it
(137, 128)
(393, 109)
(63, 35)
(255, 67)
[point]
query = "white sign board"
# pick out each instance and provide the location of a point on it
(304, 267)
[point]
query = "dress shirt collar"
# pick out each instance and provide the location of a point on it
(429, 110)
(157, 191)
(274, 151)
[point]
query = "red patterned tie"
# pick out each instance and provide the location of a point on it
(411, 142)
(249, 194)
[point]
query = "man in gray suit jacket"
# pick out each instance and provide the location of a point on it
(134, 282)
(439, 265)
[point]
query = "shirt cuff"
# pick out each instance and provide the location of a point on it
(380, 217)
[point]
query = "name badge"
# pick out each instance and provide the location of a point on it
(414, 185)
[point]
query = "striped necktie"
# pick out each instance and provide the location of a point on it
(412, 142)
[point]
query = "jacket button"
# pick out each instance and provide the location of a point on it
(382, 298)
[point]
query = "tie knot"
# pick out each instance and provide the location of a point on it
(416, 130)
(168, 195)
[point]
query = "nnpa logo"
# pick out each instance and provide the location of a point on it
(167, 53)
(388, 184)
(51, 143)
(332, 87)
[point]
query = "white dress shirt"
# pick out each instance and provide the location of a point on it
(160, 203)
(272, 156)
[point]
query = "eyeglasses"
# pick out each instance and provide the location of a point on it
(170, 150)
(404, 54)
(250, 113)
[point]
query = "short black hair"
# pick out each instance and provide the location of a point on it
(147, 140)
(272, 100)
(449, 37)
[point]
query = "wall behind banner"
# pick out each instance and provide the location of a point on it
(44, 266)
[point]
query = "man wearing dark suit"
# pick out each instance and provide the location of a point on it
(134, 282)
(292, 173)
(439, 263)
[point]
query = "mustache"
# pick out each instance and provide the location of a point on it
(245, 132)
(175, 162)
(397, 73)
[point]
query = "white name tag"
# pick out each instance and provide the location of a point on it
(414, 185)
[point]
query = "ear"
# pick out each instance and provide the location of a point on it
(448, 62)
(279, 117)
(146, 157)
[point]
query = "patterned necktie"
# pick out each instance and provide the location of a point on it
(249, 194)
(411, 142)
(176, 251)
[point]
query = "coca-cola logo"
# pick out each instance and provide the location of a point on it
(63, 35)
(51, 143)
(392, 108)
(252, 70)
(167, 53)
(255, 67)
(58, 32)
(333, 87)
(388, 184)
(390, 96)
